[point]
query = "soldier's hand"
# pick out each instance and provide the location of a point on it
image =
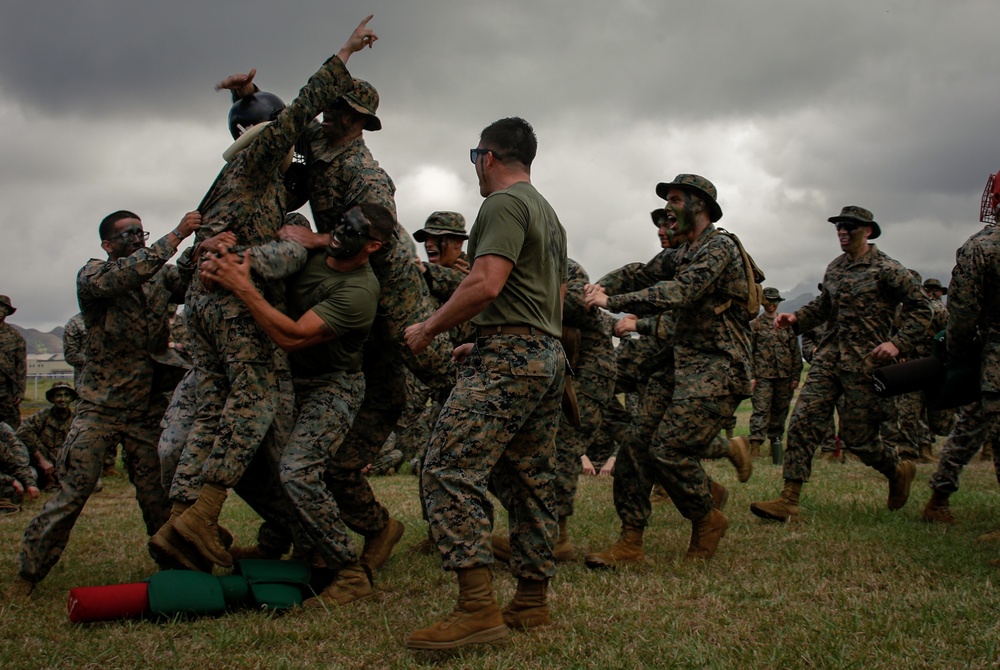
(46, 467)
(304, 236)
(588, 467)
(219, 243)
(462, 352)
(885, 351)
(231, 271)
(420, 265)
(462, 266)
(190, 223)
(753, 384)
(594, 295)
(18, 487)
(361, 37)
(627, 324)
(608, 468)
(417, 337)
(242, 84)
(33, 492)
(784, 320)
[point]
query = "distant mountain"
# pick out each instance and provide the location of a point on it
(42, 343)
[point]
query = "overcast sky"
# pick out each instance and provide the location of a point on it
(793, 109)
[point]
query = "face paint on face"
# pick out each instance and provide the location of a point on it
(349, 236)
(62, 399)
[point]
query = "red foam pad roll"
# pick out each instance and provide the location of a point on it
(107, 603)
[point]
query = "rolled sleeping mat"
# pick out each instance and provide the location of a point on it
(107, 603)
(909, 377)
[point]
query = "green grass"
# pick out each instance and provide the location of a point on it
(853, 586)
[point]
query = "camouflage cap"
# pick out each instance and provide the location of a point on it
(772, 295)
(61, 386)
(5, 302)
(658, 215)
(859, 215)
(442, 223)
(933, 283)
(697, 185)
(363, 98)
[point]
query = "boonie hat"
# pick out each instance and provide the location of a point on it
(772, 295)
(936, 284)
(442, 223)
(5, 301)
(364, 98)
(697, 185)
(61, 386)
(858, 215)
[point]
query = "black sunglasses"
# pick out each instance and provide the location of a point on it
(474, 154)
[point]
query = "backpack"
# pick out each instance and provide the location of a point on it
(755, 290)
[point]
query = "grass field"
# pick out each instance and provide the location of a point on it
(853, 586)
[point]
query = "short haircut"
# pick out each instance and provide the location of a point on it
(511, 138)
(107, 227)
(383, 223)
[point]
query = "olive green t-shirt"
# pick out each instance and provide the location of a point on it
(345, 301)
(520, 225)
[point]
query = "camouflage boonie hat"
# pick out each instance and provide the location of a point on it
(933, 283)
(5, 302)
(61, 386)
(364, 98)
(657, 215)
(859, 215)
(442, 223)
(772, 295)
(697, 185)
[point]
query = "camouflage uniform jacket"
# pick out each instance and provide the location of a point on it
(248, 197)
(597, 351)
(44, 433)
(974, 308)
(74, 342)
(776, 353)
(125, 310)
(858, 304)
(340, 177)
(442, 281)
(939, 315)
(14, 463)
(712, 333)
(13, 362)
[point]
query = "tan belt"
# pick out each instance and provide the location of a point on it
(487, 331)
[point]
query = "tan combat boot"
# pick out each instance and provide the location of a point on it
(168, 542)
(530, 606)
(899, 484)
(937, 509)
(501, 548)
(378, 548)
(627, 550)
(564, 550)
(739, 456)
(199, 525)
(755, 446)
(720, 495)
(476, 617)
(705, 535)
(353, 582)
(784, 508)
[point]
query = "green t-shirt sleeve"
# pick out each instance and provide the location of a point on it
(347, 308)
(508, 217)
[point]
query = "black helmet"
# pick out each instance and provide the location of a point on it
(255, 108)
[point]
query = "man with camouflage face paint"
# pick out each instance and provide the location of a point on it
(706, 294)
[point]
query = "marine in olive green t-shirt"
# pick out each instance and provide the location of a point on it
(346, 302)
(531, 295)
